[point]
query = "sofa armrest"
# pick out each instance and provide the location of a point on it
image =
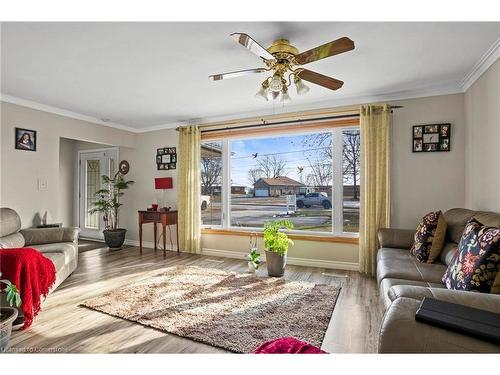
(483, 301)
(396, 238)
(40, 236)
(401, 333)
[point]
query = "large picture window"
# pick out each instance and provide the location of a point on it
(312, 179)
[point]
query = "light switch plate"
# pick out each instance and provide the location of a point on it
(42, 184)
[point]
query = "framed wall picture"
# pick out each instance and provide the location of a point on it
(431, 138)
(25, 139)
(166, 158)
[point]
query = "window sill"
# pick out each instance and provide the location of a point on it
(294, 236)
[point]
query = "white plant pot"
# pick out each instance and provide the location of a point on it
(251, 267)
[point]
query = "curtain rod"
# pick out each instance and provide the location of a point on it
(264, 123)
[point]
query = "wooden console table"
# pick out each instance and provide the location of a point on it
(158, 217)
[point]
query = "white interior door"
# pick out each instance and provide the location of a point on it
(93, 164)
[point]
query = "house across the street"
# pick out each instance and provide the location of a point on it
(277, 186)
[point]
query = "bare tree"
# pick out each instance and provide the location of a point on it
(351, 159)
(254, 175)
(272, 166)
(321, 173)
(211, 168)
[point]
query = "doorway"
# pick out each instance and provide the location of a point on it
(92, 165)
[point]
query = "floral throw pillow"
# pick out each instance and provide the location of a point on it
(429, 238)
(476, 264)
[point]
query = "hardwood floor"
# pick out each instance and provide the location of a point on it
(63, 326)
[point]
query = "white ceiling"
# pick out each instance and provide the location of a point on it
(145, 75)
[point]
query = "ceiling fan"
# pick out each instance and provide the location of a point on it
(284, 60)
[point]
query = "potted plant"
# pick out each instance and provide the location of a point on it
(276, 244)
(108, 203)
(253, 261)
(8, 314)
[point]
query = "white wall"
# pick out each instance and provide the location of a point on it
(20, 170)
(424, 182)
(482, 107)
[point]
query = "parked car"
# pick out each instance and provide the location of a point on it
(314, 199)
(205, 201)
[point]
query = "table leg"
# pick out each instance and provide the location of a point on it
(177, 233)
(164, 241)
(140, 238)
(155, 231)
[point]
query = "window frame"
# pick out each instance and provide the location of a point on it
(337, 201)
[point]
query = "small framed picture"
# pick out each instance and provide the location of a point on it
(431, 128)
(445, 130)
(431, 138)
(165, 158)
(430, 147)
(173, 158)
(25, 139)
(417, 132)
(417, 145)
(160, 151)
(172, 166)
(445, 144)
(158, 159)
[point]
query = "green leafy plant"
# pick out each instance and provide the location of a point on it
(275, 239)
(13, 295)
(108, 199)
(254, 258)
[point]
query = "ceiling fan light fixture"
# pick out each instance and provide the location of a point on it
(301, 87)
(285, 98)
(276, 83)
(263, 93)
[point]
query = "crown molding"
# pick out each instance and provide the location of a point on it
(481, 66)
(63, 112)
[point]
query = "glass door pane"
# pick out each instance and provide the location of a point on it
(92, 184)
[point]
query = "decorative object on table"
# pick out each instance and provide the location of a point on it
(431, 138)
(33, 273)
(8, 314)
(166, 158)
(54, 225)
(253, 256)
(164, 183)
(108, 204)
(124, 167)
(266, 307)
(476, 263)
(25, 139)
(154, 206)
(429, 237)
(276, 244)
(288, 345)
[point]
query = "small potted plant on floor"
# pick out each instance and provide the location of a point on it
(8, 314)
(108, 203)
(253, 261)
(276, 243)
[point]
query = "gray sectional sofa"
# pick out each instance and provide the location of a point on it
(404, 282)
(58, 244)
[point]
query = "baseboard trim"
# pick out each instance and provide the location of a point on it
(307, 262)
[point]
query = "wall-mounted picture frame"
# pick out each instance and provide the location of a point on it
(25, 139)
(431, 137)
(166, 158)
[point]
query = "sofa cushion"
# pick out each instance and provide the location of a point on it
(402, 265)
(456, 218)
(449, 250)
(476, 264)
(68, 249)
(386, 285)
(58, 259)
(38, 236)
(12, 241)
(10, 222)
(429, 238)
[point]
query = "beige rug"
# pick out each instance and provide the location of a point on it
(225, 309)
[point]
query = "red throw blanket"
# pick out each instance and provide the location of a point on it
(32, 273)
(288, 345)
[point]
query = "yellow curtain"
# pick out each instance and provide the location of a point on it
(189, 189)
(375, 182)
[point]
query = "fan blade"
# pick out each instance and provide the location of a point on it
(250, 44)
(326, 50)
(239, 73)
(320, 79)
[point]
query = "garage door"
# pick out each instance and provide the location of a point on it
(261, 192)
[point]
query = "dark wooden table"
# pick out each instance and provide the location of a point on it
(164, 218)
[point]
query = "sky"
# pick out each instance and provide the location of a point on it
(290, 148)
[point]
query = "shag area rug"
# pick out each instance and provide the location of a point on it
(233, 311)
